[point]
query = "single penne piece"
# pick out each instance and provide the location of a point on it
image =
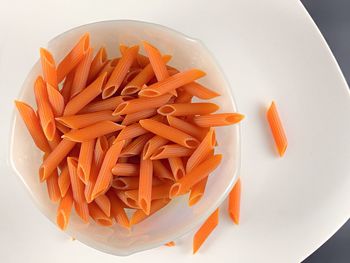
(93, 131)
(123, 48)
(140, 215)
(48, 66)
(107, 104)
(126, 183)
(184, 109)
(85, 96)
(82, 210)
(169, 133)
(198, 173)
(135, 147)
(52, 187)
(221, 119)
(187, 127)
(105, 174)
(137, 116)
(32, 123)
(119, 72)
(140, 104)
(177, 167)
(197, 192)
(117, 210)
(145, 185)
(153, 145)
(85, 160)
(45, 112)
(171, 151)
(130, 132)
(109, 67)
(83, 120)
(129, 202)
(205, 230)
(277, 129)
(202, 151)
(126, 169)
(234, 202)
(55, 158)
(77, 184)
(156, 60)
(162, 172)
(64, 210)
(55, 141)
(71, 60)
(67, 86)
(199, 91)
(64, 181)
(171, 83)
(98, 216)
(104, 204)
(183, 97)
(158, 192)
(56, 100)
(81, 73)
(98, 62)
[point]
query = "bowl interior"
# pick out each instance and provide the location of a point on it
(177, 218)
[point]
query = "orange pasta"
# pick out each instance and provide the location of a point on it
(126, 183)
(197, 192)
(184, 109)
(84, 120)
(64, 210)
(152, 145)
(200, 91)
(162, 172)
(140, 104)
(202, 151)
(158, 192)
(171, 151)
(33, 125)
(107, 104)
(183, 97)
(137, 116)
(73, 57)
(129, 202)
(169, 133)
(171, 83)
(97, 64)
(145, 185)
(56, 140)
(129, 76)
(140, 215)
(60, 128)
(85, 159)
(64, 181)
(155, 58)
(177, 167)
(170, 244)
(220, 119)
(126, 169)
(205, 230)
(277, 129)
(52, 187)
(67, 86)
(76, 183)
(45, 112)
(105, 174)
(56, 100)
(82, 210)
(117, 210)
(234, 202)
(136, 146)
(104, 204)
(198, 173)
(187, 127)
(109, 67)
(120, 71)
(81, 74)
(93, 131)
(55, 158)
(48, 66)
(85, 96)
(130, 132)
(98, 216)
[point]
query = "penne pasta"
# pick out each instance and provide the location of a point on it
(169, 133)
(157, 62)
(162, 172)
(117, 210)
(71, 60)
(67, 86)
(104, 204)
(126, 169)
(85, 96)
(48, 66)
(77, 184)
(171, 83)
(105, 174)
(158, 192)
(177, 167)
(97, 64)
(61, 129)
(84, 120)
(184, 97)
(140, 215)
(93, 131)
(197, 192)
(234, 202)
(130, 132)
(170, 244)
(153, 145)
(64, 210)
(33, 125)
(129, 202)
(205, 230)
(64, 181)
(198, 173)
(98, 216)
(85, 160)
(119, 72)
(109, 67)
(52, 187)
(220, 119)
(199, 91)
(145, 185)
(55, 141)
(82, 210)
(187, 127)
(107, 104)
(137, 116)
(126, 183)
(184, 109)
(56, 100)
(45, 112)
(171, 151)
(277, 129)
(136, 146)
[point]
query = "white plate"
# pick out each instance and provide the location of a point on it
(269, 49)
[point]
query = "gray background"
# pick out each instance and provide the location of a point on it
(333, 19)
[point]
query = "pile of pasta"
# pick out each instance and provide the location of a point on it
(122, 133)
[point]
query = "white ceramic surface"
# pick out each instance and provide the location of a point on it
(268, 49)
(155, 231)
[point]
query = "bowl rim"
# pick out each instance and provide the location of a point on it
(209, 210)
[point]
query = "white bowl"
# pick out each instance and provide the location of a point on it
(176, 219)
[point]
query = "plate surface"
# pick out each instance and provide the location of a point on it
(269, 49)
